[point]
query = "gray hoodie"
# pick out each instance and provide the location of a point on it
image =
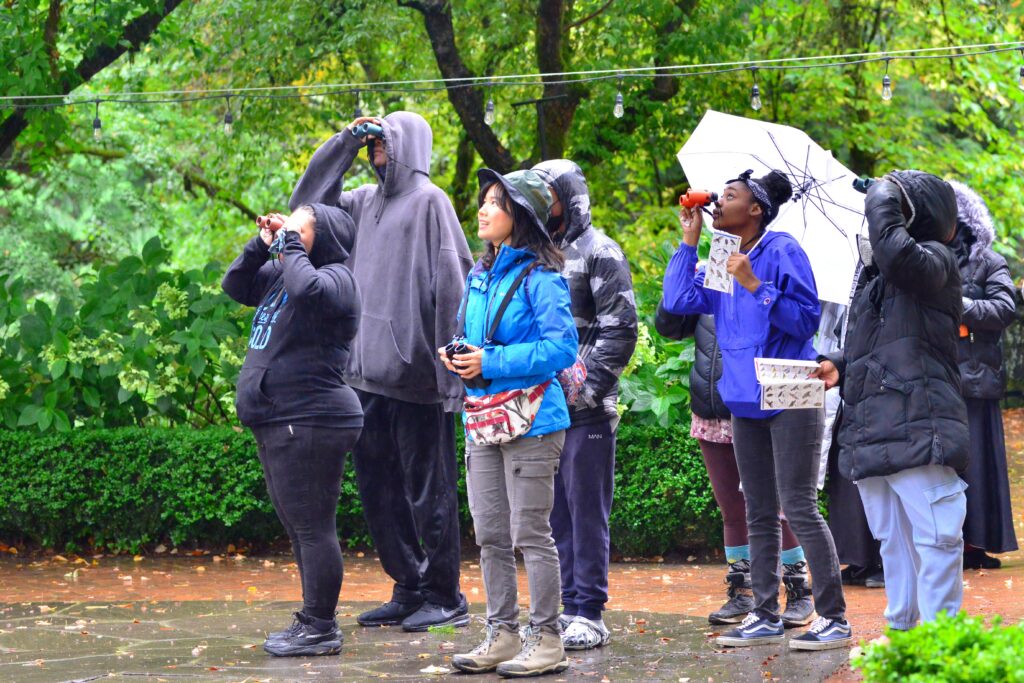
(410, 260)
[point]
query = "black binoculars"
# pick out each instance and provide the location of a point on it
(459, 346)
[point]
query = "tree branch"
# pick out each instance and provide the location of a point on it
(468, 102)
(592, 15)
(50, 36)
(135, 33)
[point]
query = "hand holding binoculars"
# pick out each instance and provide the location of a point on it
(272, 222)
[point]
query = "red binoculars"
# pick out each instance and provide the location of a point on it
(694, 198)
(272, 222)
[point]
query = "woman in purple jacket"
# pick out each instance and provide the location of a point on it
(772, 313)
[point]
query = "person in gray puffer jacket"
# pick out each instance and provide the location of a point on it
(989, 308)
(604, 309)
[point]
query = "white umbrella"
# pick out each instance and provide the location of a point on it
(826, 213)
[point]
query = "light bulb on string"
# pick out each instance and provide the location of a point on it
(1020, 78)
(886, 84)
(755, 93)
(618, 110)
(229, 119)
(97, 125)
(489, 109)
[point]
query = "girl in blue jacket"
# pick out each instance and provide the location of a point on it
(772, 313)
(511, 485)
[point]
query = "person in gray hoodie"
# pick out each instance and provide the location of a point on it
(410, 260)
(604, 309)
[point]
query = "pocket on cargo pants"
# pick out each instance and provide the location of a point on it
(948, 506)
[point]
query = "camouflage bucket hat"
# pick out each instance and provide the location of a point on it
(525, 188)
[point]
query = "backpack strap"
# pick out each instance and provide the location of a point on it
(507, 300)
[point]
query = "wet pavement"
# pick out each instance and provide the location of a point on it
(222, 641)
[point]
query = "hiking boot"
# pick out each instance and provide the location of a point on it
(542, 653)
(799, 603)
(500, 644)
(388, 614)
(977, 558)
(876, 580)
(824, 634)
(431, 614)
(585, 634)
(741, 599)
(754, 630)
(307, 640)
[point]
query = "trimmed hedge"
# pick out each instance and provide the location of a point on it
(123, 489)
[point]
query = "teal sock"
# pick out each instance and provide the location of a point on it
(793, 555)
(736, 553)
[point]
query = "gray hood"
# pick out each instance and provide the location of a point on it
(571, 187)
(972, 213)
(408, 141)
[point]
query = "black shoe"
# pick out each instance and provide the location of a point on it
(875, 580)
(799, 603)
(307, 641)
(976, 558)
(741, 599)
(853, 575)
(288, 632)
(389, 614)
(430, 615)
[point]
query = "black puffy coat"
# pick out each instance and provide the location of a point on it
(989, 298)
(898, 368)
(705, 401)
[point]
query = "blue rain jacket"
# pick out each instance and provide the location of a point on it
(779, 320)
(535, 339)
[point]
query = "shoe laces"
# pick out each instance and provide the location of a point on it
(749, 620)
(490, 636)
(819, 625)
(531, 639)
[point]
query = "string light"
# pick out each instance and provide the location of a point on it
(97, 125)
(886, 84)
(229, 120)
(489, 109)
(755, 92)
(618, 110)
(1020, 79)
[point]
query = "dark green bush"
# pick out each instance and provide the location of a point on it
(131, 487)
(958, 649)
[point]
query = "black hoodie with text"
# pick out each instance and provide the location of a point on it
(307, 313)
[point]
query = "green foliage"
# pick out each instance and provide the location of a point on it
(958, 649)
(128, 488)
(141, 345)
(663, 498)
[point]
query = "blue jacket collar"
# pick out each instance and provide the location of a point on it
(509, 257)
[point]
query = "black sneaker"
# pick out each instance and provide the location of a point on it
(288, 632)
(307, 641)
(389, 614)
(741, 599)
(431, 614)
(876, 580)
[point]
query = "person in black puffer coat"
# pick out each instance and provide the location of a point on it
(904, 435)
(989, 308)
(712, 427)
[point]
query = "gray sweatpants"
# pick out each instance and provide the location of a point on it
(918, 515)
(511, 491)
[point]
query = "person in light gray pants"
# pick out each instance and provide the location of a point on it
(519, 474)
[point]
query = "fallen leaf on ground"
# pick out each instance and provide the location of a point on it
(435, 670)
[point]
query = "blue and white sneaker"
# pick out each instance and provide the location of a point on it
(754, 630)
(824, 634)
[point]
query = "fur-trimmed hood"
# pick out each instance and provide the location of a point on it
(973, 214)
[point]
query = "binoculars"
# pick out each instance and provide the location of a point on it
(862, 184)
(694, 198)
(458, 346)
(273, 223)
(367, 128)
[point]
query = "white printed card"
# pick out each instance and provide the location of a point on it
(785, 384)
(723, 245)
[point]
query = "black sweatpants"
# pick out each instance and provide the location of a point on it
(405, 467)
(303, 467)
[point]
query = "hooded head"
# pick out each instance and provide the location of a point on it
(408, 141)
(566, 178)
(334, 235)
(974, 222)
(523, 199)
(929, 205)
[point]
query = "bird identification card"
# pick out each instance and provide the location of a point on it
(723, 245)
(785, 384)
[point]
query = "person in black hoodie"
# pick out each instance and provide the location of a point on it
(291, 394)
(989, 308)
(903, 436)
